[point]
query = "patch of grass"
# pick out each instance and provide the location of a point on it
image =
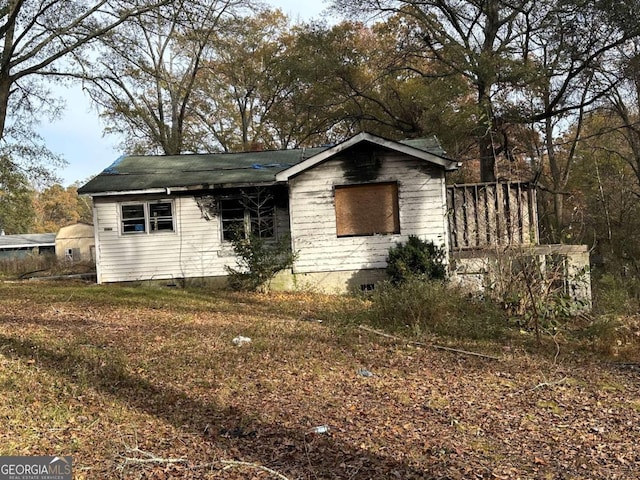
(608, 335)
(417, 307)
(615, 295)
(550, 405)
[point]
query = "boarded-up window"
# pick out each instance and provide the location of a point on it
(367, 209)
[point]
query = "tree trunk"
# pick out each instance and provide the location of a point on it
(485, 129)
(5, 93)
(5, 63)
(487, 159)
(486, 78)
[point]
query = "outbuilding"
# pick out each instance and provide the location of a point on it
(76, 243)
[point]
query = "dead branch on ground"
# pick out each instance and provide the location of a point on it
(421, 344)
(148, 458)
(235, 463)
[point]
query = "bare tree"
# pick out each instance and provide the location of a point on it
(40, 38)
(144, 77)
(243, 82)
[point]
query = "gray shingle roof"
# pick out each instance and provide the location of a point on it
(145, 172)
(167, 171)
(27, 240)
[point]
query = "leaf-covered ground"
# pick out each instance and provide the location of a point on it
(147, 383)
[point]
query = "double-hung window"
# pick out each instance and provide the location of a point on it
(247, 215)
(160, 216)
(147, 217)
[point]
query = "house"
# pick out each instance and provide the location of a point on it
(342, 207)
(15, 247)
(76, 243)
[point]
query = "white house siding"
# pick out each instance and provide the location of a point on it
(422, 209)
(193, 250)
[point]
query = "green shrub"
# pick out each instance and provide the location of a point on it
(416, 306)
(258, 261)
(416, 258)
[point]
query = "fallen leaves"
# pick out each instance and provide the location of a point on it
(107, 373)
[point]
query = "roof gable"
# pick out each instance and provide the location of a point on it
(422, 149)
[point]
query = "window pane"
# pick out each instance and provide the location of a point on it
(160, 217)
(367, 209)
(132, 211)
(160, 209)
(254, 212)
(133, 226)
(232, 214)
(133, 220)
(231, 229)
(262, 226)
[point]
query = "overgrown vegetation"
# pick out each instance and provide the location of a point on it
(258, 261)
(417, 307)
(615, 295)
(536, 290)
(35, 265)
(525, 294)
(16, 267)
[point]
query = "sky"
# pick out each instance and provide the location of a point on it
(77, 136)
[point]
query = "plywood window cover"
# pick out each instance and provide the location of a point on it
(367, 209)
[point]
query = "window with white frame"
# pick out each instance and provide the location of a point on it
(147, 217)
(247, 214)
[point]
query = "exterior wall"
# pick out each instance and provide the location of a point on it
(422, 209)
(325, 262)
(340, 282)
(80, 238)
(321, 282)
(193, 250)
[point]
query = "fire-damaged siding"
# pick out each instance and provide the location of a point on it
(193, 249)
(421, 208)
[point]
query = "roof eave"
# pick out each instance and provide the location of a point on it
(27, 245)
(189, 188)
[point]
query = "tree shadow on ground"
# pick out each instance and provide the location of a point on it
(250, 439)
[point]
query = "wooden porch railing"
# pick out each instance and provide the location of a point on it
(492, 214)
